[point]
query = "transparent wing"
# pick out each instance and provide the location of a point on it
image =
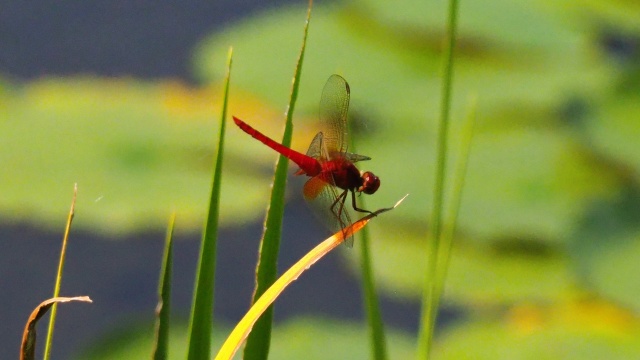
(328, 204)
(334, 105)
(355, 157)
(316, 149)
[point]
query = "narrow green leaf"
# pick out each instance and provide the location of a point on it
(56, 290)
(370, 296)
(259, 340)
(447, 234)
(201, 321)
(163, 309)
(456, 199)
(372, 305)
(429, 301)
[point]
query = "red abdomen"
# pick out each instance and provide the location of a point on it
(309, 165)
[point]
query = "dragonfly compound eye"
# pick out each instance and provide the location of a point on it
(370, 183)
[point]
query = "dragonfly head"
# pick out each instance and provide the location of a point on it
(370, 183)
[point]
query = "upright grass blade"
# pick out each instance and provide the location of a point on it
(163, 309)
(243, 328)
(372, 306)
(456, 199)
(56, 290)
(429, 301)
(448, 232)
(258, 343)
(370, 296)
(202, 311)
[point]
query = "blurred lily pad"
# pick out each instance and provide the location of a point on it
(506, 21)
(318, 338)
(615, 130)
(530, 182)
(606, 247)
(505, 271)
(137, 151)
(621, 13)
(571, 330)
(611, 271)
(533, 182)
(523, 57)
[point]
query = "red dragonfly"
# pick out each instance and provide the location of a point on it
(327, 162)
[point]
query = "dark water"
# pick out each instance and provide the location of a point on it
(143, 38)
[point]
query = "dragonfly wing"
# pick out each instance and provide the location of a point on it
(334, 105)
(313, 188)
(355, 157)
(321, 195)
(316, 148)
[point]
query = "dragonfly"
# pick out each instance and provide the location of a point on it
(333, 175)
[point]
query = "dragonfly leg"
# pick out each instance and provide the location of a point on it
(339, 200)
(355, 207)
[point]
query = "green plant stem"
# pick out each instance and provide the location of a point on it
(456, 199)
(372, 306)
(429, 311)
(56, 290)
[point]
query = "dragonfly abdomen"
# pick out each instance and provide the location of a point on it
(308, 165)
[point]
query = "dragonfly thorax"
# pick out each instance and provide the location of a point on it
(346, 176)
